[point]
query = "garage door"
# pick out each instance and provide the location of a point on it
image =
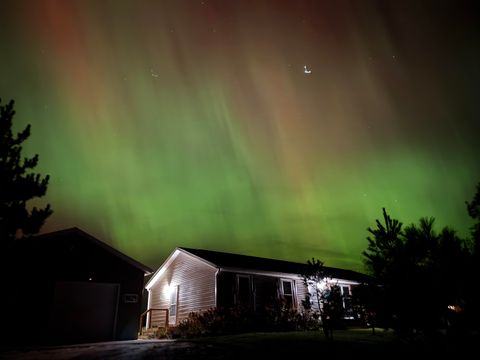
(83, 312)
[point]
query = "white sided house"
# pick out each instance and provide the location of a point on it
(195, 280)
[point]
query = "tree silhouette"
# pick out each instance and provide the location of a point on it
(473, 209)
(384, 259)
(422, 273)
(18, 184)
(314, 274)
(368, 304)
(327, 295)
(383, 248)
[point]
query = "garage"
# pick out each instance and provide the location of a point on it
(68, 287)
(84, 311)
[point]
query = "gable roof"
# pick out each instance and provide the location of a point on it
(254, 263)
(78, 233)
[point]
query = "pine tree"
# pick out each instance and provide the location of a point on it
(473, 209)
(18, 184)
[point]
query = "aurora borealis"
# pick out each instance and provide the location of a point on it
(193, 123)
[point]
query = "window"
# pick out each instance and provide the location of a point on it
(130, 298)
(172, 309)
(287, 292)
(243, 290)
(347, 300)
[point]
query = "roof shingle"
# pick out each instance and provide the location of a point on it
(246, 262)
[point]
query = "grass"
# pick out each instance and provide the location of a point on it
(349, 344)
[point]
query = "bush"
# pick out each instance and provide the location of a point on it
(281, 317)
(215, 321)
(162, 333)
(238, 319)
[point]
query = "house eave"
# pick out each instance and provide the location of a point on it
(161, 269)
(76, 231)
(280, 274)
(198, 258)
(157, 275)
(260, 272)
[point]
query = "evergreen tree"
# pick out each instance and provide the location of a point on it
(385, 261)
(18, 184)
(384, 248)
(473, 209)
(422, 273)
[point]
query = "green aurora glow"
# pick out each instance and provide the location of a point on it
(192, 123)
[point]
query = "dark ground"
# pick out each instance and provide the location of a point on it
(347, 344)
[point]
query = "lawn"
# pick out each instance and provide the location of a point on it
(347, 344)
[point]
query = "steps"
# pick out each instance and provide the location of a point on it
(154, 333)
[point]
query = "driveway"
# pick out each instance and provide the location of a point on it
(134, 349)
(347, 344)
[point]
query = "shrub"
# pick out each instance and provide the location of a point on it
(222, 321)
(215, 321)
(162, 333)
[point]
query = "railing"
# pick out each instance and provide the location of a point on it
(148, 314)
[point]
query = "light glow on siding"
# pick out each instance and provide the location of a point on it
(167, 290)
(322, 285)
(149, 300)
(162, 269)
(155, 278)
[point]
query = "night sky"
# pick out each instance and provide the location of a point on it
(268, 128)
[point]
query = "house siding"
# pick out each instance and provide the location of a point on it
(196, 288)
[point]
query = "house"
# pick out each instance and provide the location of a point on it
(69, 287)
(194, 280)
